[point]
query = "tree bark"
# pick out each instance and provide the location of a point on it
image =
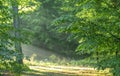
(19, 57)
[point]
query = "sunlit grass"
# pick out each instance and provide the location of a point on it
(64, 71)
(45, 63)
(44, 68)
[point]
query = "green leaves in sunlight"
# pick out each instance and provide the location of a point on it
(88, 27)
(8, 52)
(95, 25)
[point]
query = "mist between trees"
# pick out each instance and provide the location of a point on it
(75, 29)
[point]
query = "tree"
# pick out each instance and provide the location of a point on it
(95, 25)
(16, 5)
(10, 36)
(46, 34)
(17, 33)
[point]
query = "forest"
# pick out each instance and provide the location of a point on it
(81, 33)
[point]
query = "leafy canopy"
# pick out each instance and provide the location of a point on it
(95, 25)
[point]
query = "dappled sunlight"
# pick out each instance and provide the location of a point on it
(59, 38)
(65, 71)
(46, 63)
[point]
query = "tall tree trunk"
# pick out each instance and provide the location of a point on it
(19, 57)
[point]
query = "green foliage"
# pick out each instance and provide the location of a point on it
(89, 26)
(95, 25)
(46, 34)
(8, 53)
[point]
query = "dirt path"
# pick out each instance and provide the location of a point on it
(59, 68)
(64, 71)
(41, 54)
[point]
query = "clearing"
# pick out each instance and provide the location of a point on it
(41, 67)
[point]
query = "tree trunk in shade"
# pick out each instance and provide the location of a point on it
(19, 57)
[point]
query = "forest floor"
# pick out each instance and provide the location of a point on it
(38, 62)
(64, 71)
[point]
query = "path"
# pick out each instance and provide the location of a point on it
(64, 71)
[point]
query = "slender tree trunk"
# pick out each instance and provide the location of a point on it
(19, 57)
(97, 58)
(116, 53)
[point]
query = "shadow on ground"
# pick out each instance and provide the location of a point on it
(43, 73)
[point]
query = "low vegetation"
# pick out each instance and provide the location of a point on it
(51, 69)
(62, 67)
(79, 33)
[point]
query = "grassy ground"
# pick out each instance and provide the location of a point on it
(46, 63)
(44, 68)
(64, 71)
